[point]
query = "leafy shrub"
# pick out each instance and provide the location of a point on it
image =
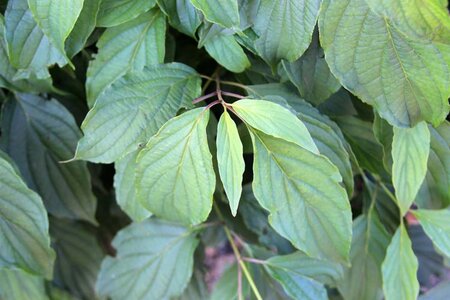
(308, 135)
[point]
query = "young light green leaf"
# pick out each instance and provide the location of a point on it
(410, 149)
(46, 134)
(182, 15)
(224, 13)
(408, 81)
(116, 12)
(18, 284)
(30, 51)
(124, 183)
(435, 190)
(275, 120)
(230, 159)
(23, 226)
(399, 268)
(128, 47)
(437, 227)
(78, 257)
(301, 191)
(83, 28)
(56, 18)
(134, 108)
(154, 261)
(175, 178)
(285, 28)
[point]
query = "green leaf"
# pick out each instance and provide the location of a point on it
(275, 120)
(437, 227)
(175, 178)
(78, 257)
(46, 134)
(83, 28)
(30, 51)
(410, 149)
(17, 284)
(405, 79)
(227, 286)
(285, 28)
(124, 184)
(154, 261)
(230, 159)
(182, 15)
(363, 279)
(311, 74)
(134, 108)
(23, 227)
(56, 18)
(301, 191)
(399, 268)
(440, 291)
(116, 12)
(128, 47)
(435, 190)
(224, 13)
(384, 133)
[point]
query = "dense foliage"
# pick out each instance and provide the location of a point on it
(307, 136)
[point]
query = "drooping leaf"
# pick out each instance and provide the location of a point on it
(182, 15)
(301, 191)
(116, 12)
(224, 13)
(285, 28)
(407, 80)
(124, 183)
(275, 120)
(437, 227)
(83, 28)
(56, 18)
(23, 229)
(154, 261)
(435, 189)
(399, 268)
(38, 134)
(410, 149)
(363, 279)
(175, 178)
(230, 159)
(18, 284)
(30, 51)
(128, 47)
(134, 108)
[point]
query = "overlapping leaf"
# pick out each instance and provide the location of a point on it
(437, 227)
(116, 12)
(224, 13)
(182, 15)
(18, 284)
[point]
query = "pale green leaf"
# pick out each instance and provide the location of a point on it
(175, 178)
(399, 269)
(17, 284)
(224, 12)
(23, 227)
(78, 257)
(128, 47)
(124, 180)
(38, 134)
(285, 28)
(363, 279)
(302, 192)
(30, 51)
(182, 15)
(116, 12)
(154, 261)
(230, 159)
(437, 227)
(83, 28)
(435, 190)
(134, 108)
(410, 149)
(275, 120)
(405, 79)
(56, 18)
